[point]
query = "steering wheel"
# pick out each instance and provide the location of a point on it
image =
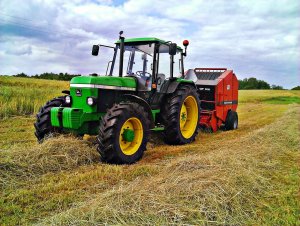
(143, 74)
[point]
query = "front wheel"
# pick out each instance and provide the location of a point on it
(123, 134)
(43, 127)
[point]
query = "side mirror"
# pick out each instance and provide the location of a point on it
(173, 49)
(95, 50)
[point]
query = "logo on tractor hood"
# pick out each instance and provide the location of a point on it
(78, 92)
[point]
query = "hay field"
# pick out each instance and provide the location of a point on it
(245, 177)
(23, 96)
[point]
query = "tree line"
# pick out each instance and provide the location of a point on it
(50, 76)
(247, 83)
(254, 83)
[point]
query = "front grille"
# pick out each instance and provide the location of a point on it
(71, 118)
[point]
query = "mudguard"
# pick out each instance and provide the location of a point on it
(170, 85)
(139, 100)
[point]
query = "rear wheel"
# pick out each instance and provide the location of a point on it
(43, 127)
(181, 116)
(123, 133)
(231, 122)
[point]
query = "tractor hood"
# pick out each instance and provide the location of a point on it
(104, 82)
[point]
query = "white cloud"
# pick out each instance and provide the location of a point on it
(255, 38)
(19, 50)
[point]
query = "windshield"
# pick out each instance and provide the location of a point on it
(137, 60)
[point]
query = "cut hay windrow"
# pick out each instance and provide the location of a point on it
(226, 186)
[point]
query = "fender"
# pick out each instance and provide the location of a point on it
(170, 86)
(139, 100)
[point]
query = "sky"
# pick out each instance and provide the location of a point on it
(254, 38)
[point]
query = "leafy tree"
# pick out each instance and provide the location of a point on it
(23, 75)
(53, 76)
(49, 75)
(296, 88)
(276, 87)
(253, 83)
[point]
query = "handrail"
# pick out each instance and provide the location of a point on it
(208, 101)
(107, 67)
(207, 111)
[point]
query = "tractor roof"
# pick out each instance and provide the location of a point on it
(146, 39)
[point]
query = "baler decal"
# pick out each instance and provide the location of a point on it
(102, 87)
(228, 102)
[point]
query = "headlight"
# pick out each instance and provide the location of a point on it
(91, 101)
(68, 99)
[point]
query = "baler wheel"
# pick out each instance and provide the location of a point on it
(43, 127)
(231, 122)
(180, 116)
(123, 133)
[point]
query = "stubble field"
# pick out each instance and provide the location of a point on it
(246, 176)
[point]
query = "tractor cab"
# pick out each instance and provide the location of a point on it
(150, 61)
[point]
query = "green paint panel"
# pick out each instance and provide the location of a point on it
(154, 113)
(105, 80)
(81, 101)
(158, 129)
(143, 39)
(53, 115)
(72, 118)
(75, 120)
(184, 80)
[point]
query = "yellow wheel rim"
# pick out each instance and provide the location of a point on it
(131, 136)
(188, 117)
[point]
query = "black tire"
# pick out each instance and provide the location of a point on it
(170, 115)
(110, 132)
(231, 122)
(43, 127)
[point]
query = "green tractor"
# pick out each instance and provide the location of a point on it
(122, 109)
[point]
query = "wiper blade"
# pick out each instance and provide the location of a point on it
(142, 51)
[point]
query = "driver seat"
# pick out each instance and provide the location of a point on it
(141, 84)
(160, 80)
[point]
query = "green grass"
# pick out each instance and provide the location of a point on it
(23, 96)
(245, 177)
(283, 100)
(269, 96)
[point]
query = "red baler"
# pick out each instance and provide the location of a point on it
(218, 92)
